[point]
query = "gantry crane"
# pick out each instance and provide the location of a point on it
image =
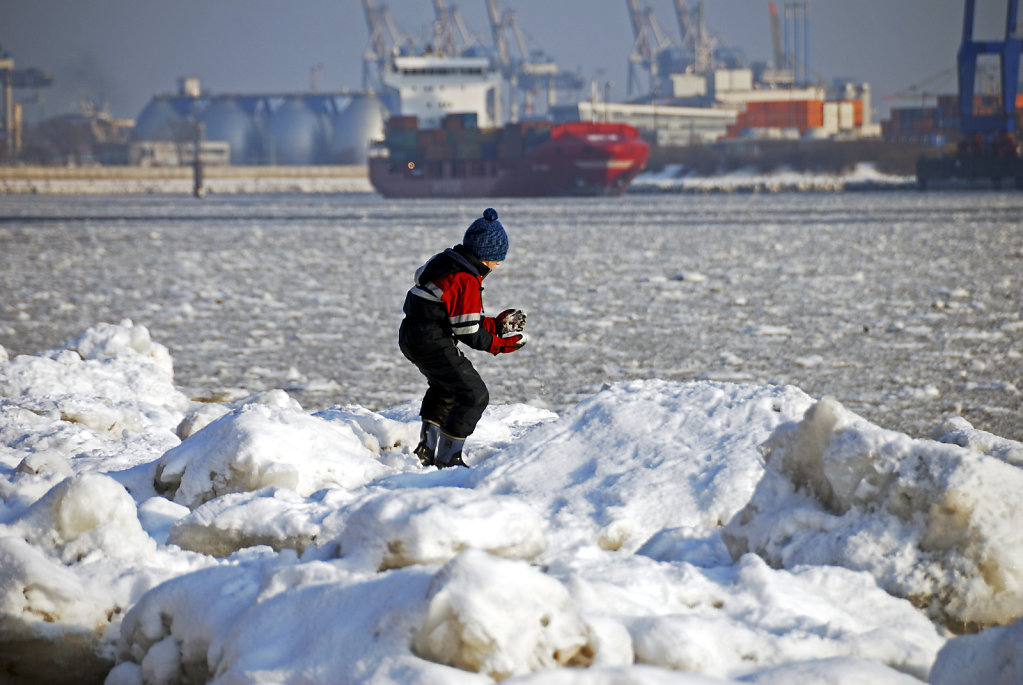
(383, 38)
(11, 78)
(529, 75)
(990, 148)
(649, 42)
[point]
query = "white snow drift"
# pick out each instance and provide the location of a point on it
(933, 522)
(642, 537)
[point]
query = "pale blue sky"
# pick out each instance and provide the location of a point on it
(122, 52)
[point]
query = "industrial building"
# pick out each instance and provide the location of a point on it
(731, 107)
(261, 128)
(11, 119)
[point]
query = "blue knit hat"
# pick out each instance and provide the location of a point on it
(486, 238)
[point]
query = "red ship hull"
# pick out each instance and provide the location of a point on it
(589, 159)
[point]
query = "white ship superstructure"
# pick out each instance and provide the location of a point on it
(431, 86)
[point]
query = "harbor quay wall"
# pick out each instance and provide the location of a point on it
(50, 180)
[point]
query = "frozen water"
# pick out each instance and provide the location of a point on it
(903, 305)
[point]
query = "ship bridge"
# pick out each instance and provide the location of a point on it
(431, 86)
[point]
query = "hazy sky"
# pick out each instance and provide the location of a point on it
(122, 52)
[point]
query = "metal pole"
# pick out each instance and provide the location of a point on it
(806, 41)
(788, 54)
(6, 68)
(197, 171)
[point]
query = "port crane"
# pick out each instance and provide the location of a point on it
(650, 42)
(922, 90)
(384, 37)
(658, 55)
(531, 75)
(990, 147)
(11, 78)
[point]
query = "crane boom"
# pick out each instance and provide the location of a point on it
(636, 17)
(375, 25)
(779, 51)
(444, 34)
(497, 32)
(682, 17)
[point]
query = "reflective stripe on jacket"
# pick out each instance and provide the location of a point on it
(447, 300)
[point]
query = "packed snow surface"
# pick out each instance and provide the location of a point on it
(655, 532)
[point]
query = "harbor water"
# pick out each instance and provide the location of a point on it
(905, 306)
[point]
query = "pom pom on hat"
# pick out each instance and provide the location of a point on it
(486, 238)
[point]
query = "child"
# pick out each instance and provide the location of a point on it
(443, 308)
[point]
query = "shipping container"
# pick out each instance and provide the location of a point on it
(402, 122)
(800, 114)
(846, 115)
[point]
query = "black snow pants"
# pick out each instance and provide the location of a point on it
(457, 395)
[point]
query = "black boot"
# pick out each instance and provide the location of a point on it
(449, 452)
(429, 434)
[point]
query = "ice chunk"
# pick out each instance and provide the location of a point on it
(45, 462)
(52, 618)
(208, 412)
(376, 432)
(417, 526)
(275, 517)
(106, 341)
(111, 379)
(959, 431)
(993, 657)
(85, 515)
(933, 522)
(177, 621)
(501, 618)
(833, 671)
(259, 446)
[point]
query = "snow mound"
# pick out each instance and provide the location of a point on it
(958, 431)
(377, 432)
(166, 636)
(501, 618)
(110, 379)
(730, 621)
(208, 412)
(275, 517)
(52, 618)
(994, 657)
(933, 522)
(269, 619)
(261, 446)
(86, 515)
(833, 671)
(642, 456)
(66, 578)
(104, 342)
(617, 675)
(415, 526)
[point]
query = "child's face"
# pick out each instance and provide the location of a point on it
(491, 265)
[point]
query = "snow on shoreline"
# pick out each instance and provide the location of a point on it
(674, 179)
(643, 535)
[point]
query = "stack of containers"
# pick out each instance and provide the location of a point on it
(402, 138)
(460, 140)
(798, 115)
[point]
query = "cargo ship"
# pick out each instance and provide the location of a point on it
(529, 159)
(447, 140)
